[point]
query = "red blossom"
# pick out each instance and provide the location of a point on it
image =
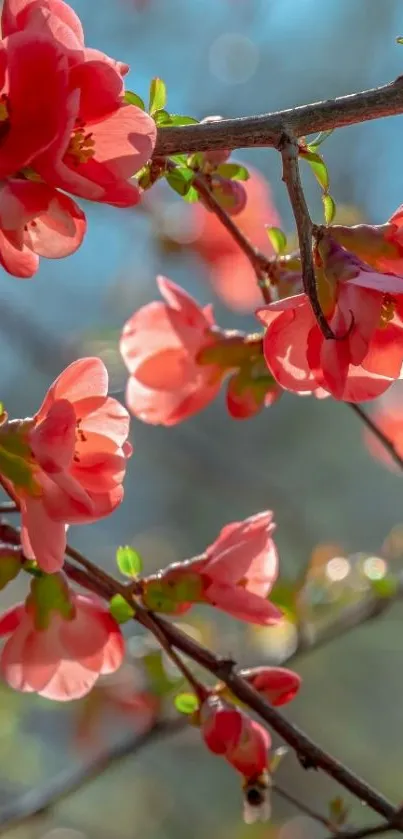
(365, 312)
(236, 574)
(245, 744)
(61, 654)
(78, 442)
(159, 345)
(36, 220)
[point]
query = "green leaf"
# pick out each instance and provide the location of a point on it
(277, 238)
(318, 167)
(128, 561)
(160, 683)
(329, 207)
(162, 117)
(399, 40)
(133, 99)
(180, 159)
(320, 138)
(178, 119)
(180, 179)
(120, 609)
(158, 95)
(234, 171)
(191, 196)
(186, 703)
(386, 587)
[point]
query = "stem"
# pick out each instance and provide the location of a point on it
(267, 129)
(376, 431)
(34, 803)
(288, 147)
(261, 264)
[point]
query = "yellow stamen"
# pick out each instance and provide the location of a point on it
(81, 146)
(388, 309)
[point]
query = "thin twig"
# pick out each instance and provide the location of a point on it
(37, 802)
(310, 754)
(288, 146)
(261, 264)
(267, 129)
(376, 431)
(8, 507)
(304, 808)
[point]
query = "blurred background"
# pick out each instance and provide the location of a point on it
(339, 512)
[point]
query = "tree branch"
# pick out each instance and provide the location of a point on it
(288, 146)
(376, 431)
(37, 802)
(267, 129)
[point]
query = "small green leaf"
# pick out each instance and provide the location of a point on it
(191, 196)
(234, 171)
(133, 99)
(186, 703)
(162, 117)
(318, 167)
(399, 40)
(178, 119)
(120, 609)
(180, 159)
(180, 179)
(128, 561)
(329, 207)
(320, 138)
(386, 587)
(277, 238)
(10, 564)
(158, 95)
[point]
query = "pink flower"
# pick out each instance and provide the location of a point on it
(60, 656)
(159, 345)
(88, 140)
(78, 441)
(388, 417)
(36, 220)
(231, 274)
(245, 744)
(365, 312)
(235, 574)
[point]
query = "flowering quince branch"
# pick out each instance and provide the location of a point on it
(288, 146)
(262, 265)
(268, 129)
(310, 754)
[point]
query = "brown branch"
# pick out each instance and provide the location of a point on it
(267, 129)
(288, 146)
(261, 264)
(376, 431)
(38, 802)
(310, 754)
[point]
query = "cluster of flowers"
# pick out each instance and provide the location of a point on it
(177, 357)
(58, 641)
(64, 125)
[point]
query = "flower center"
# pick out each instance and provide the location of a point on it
(81, 146)
(388, 309)
(4, 111)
